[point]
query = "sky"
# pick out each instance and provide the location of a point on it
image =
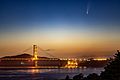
(71, 28)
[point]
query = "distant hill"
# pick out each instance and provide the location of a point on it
(22, 56)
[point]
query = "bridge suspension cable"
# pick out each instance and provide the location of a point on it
(45, 51)
(27, 49)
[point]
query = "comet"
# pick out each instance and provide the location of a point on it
(88, 8)
(87, 12)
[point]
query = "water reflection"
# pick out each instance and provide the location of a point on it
(34, 71)
(49, 73)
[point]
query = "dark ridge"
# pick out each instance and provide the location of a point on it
(25, 55)
(20, 56)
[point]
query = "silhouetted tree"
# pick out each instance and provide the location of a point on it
(112, 70)
(67, 78)
(78, 77)
(92, 76)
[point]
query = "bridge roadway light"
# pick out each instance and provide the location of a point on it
(35, 57)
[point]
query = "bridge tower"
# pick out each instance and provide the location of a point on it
(35, 55)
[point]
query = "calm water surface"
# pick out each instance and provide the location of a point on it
(45, 74)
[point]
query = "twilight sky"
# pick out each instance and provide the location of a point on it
(73, 28)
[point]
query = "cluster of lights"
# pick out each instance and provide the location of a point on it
(72, 64)
(74, 59)
(100, 59)
(68, 59)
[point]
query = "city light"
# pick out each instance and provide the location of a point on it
(72, 64)
(100, 59)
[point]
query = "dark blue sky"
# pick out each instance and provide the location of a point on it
(59, 22)
(26, 12)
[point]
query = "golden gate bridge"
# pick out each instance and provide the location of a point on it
(35, 58)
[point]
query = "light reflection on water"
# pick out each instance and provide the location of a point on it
(52, 73)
